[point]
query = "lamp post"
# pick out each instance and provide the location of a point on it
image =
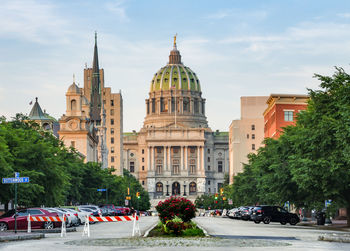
(184, 188)
(167, 188)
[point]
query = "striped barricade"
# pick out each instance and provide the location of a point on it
(112, 218)
(46, 219)
(135, 219)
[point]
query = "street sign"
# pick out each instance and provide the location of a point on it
(102, 190)
(16, 175)
(15, 180)
(230, 202)
(126, 202)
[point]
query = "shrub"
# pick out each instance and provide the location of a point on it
(176, 206)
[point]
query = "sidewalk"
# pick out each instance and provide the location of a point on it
(11, 236)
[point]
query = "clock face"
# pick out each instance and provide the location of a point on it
(73, 125)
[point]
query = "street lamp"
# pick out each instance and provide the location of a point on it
(184, 188)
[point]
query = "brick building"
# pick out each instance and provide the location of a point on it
(281, 112)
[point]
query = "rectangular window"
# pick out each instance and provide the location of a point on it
(112, 121)
(104, 102)
(253, 146)
(175, 169)
(247, 136)
(253, 136)
(208, 168)
(112, 130)
(112, 112)
(112, 140)
(208, 159)
(112, 149)
(132, 166)
(159, 150)
(143, 159)
(288, 116)
(112, 102)
(72, 144)
(159, 169)
(208, 151)
(112, 159)
(253, 127)
(153, 105)
(143, 182)
(208, 182)
(192, 169)
(143, 151)
(220, 166)
(143, 168)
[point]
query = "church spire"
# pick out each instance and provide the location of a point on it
(95, 108)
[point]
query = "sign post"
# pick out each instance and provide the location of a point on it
(15, 180)
(104, 190)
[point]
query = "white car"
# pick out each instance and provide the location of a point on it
(80, 214)
(72, 219)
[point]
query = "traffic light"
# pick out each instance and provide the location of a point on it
(216, 196)
(138, 195)
(221, 191)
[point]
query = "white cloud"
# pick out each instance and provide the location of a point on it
(238, 14)
(32, 20)
(117, 7)
(344, 15)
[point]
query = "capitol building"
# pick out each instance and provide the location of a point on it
(176, 152)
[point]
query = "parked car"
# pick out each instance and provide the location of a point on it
(124, 210)
(269, 214)
(7, 220)
(72, 219)
(96, 209)
(113, 210)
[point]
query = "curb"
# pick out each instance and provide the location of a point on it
(334, 238)
(47, 231)
(149, 230)
(204, 230)
(22, 237)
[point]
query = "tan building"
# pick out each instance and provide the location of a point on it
(76, 130)
(175, 152)
(247, 134)
(101, 110)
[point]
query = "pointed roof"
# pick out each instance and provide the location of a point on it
(95, 66)
(95, 100)
(36, 113)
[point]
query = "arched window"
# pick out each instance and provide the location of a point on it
(159, 188)
(176, 188)
(73, 105)
(193, 188)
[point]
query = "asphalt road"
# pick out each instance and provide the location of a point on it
(233, 235)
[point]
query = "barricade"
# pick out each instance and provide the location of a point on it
(48, 218)
(134, 218)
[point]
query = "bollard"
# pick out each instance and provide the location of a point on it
(136, 226)
(86, 230)
(29, 224)
(63, 226)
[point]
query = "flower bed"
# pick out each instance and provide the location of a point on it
(175, 216)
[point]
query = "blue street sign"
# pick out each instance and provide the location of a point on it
(15, 180)
(102, 190)
(16, 175)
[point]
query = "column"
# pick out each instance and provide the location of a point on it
(165, 160)
(169, 162)
(152, 158)
(198, 158)
(186, 158)
(182, 158)
(202, 158)
(181, 105)
(200, 106)
(149, 158)
(169, 105)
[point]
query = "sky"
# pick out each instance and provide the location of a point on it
(236, 48)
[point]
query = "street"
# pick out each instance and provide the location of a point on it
(234, 235)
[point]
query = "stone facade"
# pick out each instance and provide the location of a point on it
(246, 135)
(175, 152)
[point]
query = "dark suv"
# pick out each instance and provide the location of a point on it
(269, 214)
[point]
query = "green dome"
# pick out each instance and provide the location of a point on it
(175, 76)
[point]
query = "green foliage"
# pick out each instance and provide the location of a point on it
(58, 175)
(176, 207)
(207, 201)
(309, 163)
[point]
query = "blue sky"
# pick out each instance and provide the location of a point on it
(237, 48)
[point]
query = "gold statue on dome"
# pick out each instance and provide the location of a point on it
(175, 39)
